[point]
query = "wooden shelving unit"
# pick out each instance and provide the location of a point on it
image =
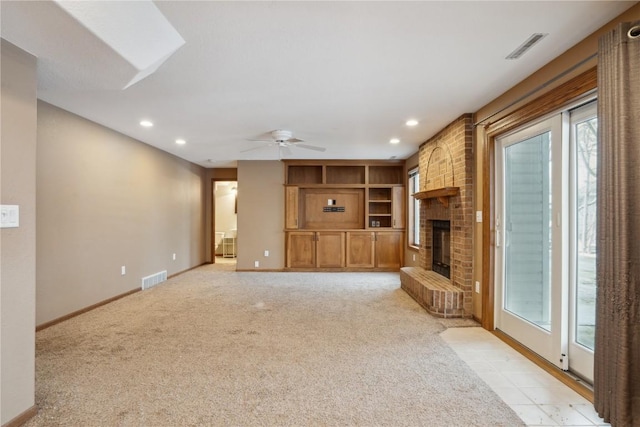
(348, 196)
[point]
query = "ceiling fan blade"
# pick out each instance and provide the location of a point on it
(260, 140)
(256, 148)
(294, 140)
(285, 151)
(311, 147)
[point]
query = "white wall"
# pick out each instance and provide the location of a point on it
(18, 245)
(260, 214)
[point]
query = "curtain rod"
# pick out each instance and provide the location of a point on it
(538, 88)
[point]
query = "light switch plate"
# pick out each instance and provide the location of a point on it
(9, 216)
(478, 216)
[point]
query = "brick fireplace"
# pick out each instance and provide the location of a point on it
(446, 174)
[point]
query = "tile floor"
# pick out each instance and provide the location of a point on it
(536, 396)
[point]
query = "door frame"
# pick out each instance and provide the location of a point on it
(218, 175)
(556, 99)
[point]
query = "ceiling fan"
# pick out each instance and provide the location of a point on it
(283, 139)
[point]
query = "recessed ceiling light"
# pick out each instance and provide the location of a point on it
(394, 141)
(146, 123)
(411, 122)
(180, 141)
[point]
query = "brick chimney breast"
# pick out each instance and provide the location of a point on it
(446, 160)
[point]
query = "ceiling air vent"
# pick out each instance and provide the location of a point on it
(528, 44)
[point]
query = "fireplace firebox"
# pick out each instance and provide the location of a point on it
(441, 248)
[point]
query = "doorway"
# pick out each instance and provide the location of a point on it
(225, 220)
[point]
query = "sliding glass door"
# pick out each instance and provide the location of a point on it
(529, 187)
(584, 143)
(545, 237)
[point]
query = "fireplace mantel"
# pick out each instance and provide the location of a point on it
(441, 194)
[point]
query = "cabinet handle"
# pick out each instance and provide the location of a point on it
(296, 222)
(394, 222)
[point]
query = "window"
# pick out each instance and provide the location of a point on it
(414, 208)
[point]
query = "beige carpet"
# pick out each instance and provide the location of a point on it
(216, 347)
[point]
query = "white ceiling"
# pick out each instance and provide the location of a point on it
(341, 75)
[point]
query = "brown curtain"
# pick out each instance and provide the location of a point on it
(617, 346)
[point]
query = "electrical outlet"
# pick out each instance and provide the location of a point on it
(174, 257)
(9, 216)
(478, 216)
(414, 257)
(477, 287)
(256, 264)
(266, 253)
(123, 270)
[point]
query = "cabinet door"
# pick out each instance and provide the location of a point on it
(291, 207)
(301, 249)
(388, 250)
(398, 202)
(360, 249)
(330, 249)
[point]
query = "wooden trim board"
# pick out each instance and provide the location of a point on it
(22, 418)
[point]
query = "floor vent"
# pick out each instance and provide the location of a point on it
(154, 279)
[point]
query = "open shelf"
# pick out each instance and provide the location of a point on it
(380, 194)
(345, 174)
(386, 174)
(304, 174)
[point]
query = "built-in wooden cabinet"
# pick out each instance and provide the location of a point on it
(344, 214)
(301, 249)
(388, 250)
(315, 249)
(330, 249)
(361, 249)
(291, 207)
(374, 249)
(386, 207)
(398, 202)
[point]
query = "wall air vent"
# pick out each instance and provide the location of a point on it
(528, 44)
(154, 279)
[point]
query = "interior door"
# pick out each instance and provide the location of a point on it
(529, 228)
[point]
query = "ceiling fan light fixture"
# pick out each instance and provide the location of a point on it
(283, 139)
(281, 135)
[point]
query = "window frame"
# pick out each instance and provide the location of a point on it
(413, 208)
